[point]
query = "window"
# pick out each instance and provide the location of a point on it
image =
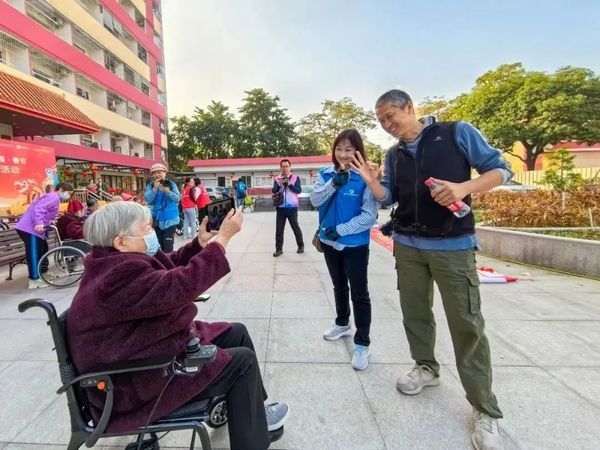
(263, 181)
(83, 93)
(142, 53)
(129, 75)
(145, 89)
(160, 69)
(146, 119)
(86, 139)
(81, 49)
(162, 126)
(110, 61)
(246, 179)
(221, 181)
(140, 20)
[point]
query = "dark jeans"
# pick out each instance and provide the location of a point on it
(350, 265)
(166, 238)
(35, 247)
(242, 385)
(290, 214)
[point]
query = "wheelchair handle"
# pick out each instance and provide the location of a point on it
(40, 303)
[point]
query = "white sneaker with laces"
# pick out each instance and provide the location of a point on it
(277, 414)
(360, 358)
(416, 379)
(36, 284)
(336, 332)
(486, 433)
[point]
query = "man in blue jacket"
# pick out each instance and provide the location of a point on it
(163, 198)
(432, 244)
(289, 186)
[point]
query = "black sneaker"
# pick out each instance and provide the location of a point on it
(278, 253)
(300, 249)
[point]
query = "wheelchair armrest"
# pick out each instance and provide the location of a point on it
(92, 378)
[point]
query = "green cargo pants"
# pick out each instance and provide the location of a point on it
(456, 276)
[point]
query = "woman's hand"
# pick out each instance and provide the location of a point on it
(205, 236)
(232, 224)
(367, 170)
(39, 228)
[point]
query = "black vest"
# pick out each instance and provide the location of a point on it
(438, 156)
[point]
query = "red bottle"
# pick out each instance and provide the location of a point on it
(458, 208)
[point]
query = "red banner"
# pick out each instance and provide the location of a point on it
(25, 171)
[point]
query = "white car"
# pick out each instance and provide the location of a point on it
(304, 197)
(214, 193)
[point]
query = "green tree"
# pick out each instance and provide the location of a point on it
(433, 106)
(265, 127)
(322, 127)
(510, 104)
(208, 134)
(560, 175)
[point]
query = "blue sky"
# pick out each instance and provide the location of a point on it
(307, 51)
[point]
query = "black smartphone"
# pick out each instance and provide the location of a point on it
(216, 212)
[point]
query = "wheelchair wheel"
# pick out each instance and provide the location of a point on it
(217, 413)
(61, 266)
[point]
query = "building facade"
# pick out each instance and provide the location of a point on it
(256, 172)
(105, 59)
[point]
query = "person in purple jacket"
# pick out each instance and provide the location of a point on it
(135, 301)
(32, 228)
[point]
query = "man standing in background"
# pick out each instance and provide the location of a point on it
(289, 186)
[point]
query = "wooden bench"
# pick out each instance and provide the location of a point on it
(12, 247)
(12, 250)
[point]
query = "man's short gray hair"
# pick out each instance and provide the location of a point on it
(115, 219)
(396, 97)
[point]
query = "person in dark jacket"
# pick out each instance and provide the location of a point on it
(70, 224)
(289, 186)
(134, 301)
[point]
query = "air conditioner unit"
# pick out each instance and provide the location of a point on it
(44, 77)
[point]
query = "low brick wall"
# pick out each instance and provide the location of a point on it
(578, 256)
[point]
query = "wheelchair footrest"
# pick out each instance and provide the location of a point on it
(148, 444)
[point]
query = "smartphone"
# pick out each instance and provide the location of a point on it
(216, 212)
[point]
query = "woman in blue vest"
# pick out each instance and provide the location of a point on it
(163, 198)
(347, 211)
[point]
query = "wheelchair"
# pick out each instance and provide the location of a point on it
(62, 266)
(194, 416)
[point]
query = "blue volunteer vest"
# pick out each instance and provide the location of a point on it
(347, 205)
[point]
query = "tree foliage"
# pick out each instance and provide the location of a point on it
(559, 175)
(510, 104)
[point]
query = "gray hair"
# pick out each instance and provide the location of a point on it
(396, 97)
(115, 219)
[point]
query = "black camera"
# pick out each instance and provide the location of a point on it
(165, 183)
(285, 181)
(387, 229)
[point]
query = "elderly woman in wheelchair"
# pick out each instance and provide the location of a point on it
(135, 301)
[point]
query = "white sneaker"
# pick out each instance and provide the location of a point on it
(36, 284)
(416, 379)
(336, 332)
(360, 358)
(486, 433)
(277, 414)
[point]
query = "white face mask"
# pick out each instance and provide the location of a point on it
(64, 195)
(151, 241)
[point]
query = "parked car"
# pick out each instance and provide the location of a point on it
(304, 197)
(214, 193)
(515, 187)
(225, 192)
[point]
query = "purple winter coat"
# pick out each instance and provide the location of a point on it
(42, 211)
(131, 306)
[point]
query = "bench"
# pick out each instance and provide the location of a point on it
(12, 248)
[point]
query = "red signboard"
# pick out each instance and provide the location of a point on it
(25, 171)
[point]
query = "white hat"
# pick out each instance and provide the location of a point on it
(158, 166)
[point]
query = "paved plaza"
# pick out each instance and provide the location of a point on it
(544, 336)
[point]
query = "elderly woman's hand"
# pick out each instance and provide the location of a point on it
(232, 224)
(204, 236)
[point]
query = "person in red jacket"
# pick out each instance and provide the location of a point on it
(188, 205)
(202, 198)
(135, 301)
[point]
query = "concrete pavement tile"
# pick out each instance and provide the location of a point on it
(249, 283)
(414, 421)
(308, 283)
(301, 305)
(27, 389)
(328, 408)
(27, 446)
(51, 426)
(388, 342)
(251, 258)
(287, 268)
(551, 307)
(25, 340)
(587, 331)
(583, 380)
(546, 343)
(243, 304)
(296, 340)
(260, 268)
(540, 412)
(4, 365)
